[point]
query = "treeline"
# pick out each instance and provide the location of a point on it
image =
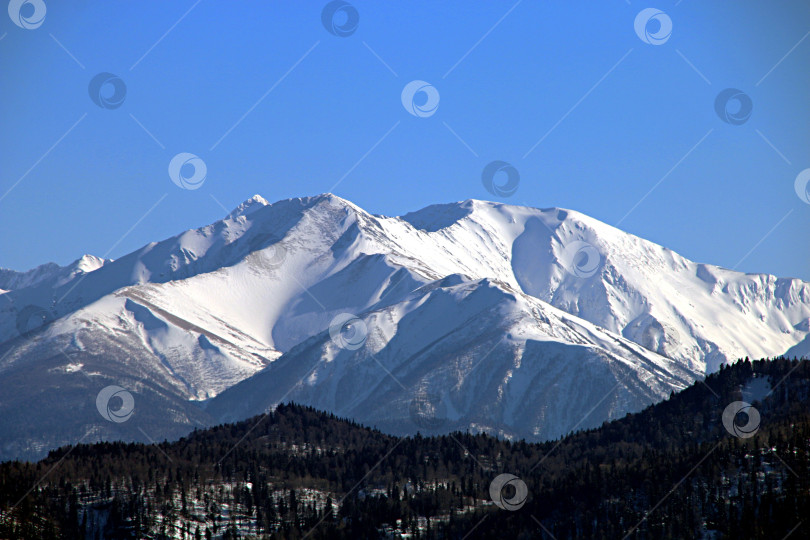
(670, 471)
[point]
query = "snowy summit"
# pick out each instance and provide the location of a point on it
(511, 320)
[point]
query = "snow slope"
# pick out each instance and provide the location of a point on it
(564, 302)
(479, 354)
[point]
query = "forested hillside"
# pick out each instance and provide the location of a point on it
(673, 470)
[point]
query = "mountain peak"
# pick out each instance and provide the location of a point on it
(564, 303)
(88, 263)
(257, 202)
(439, 216)
(340, 201)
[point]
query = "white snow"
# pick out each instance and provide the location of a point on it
(213, 306)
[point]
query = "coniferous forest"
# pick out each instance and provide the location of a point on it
(671, 471)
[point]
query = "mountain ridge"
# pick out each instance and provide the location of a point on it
(186, 319)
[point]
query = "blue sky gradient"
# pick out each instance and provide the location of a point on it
(616, 116)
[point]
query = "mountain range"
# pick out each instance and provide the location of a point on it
(480, 316)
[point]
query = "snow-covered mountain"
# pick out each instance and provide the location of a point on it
(459, 354)
(479, 315)
(11, 280)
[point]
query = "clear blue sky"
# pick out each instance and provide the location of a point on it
(500, 94)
